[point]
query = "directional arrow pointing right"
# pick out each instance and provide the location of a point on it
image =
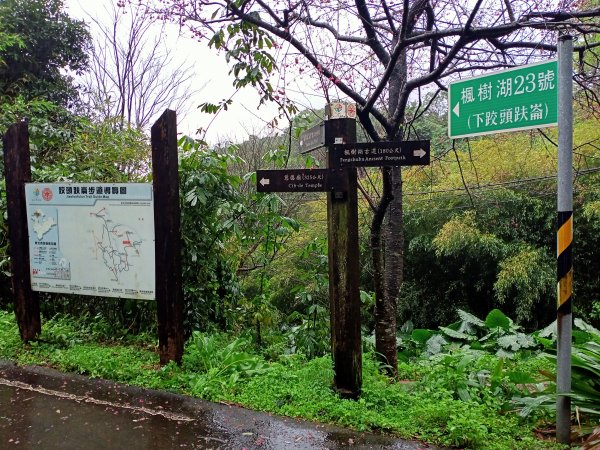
(265, 181)
(419, 152)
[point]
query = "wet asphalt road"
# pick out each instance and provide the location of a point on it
(45, 409)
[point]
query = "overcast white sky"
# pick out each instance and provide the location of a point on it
(211, 71)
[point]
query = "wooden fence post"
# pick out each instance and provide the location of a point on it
(167, 226)
(17, 168)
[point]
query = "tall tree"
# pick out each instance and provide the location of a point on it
(44, 44)
(381, 55)
(133, 75)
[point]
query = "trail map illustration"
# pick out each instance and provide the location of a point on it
(117, 244)
(92, 239)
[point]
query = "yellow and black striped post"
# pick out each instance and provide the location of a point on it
(564, 320)
(564, 262)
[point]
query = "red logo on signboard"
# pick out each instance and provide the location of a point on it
(47, 194)
(351, 110)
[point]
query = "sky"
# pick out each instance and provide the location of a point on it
(210, 78)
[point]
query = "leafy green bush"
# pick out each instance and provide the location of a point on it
(310, 333)
(585, 381)
(209, 206)
(523, 279)
(10, 341)
(497, 334)
(223, 228)
(215, 365)
(495, 255)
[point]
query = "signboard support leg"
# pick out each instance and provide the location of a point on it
(17, 167)
(564, 317)
(167, 225)
(344, 271)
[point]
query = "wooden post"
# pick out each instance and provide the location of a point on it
(344, 271)
(167, 226)
(17, 168)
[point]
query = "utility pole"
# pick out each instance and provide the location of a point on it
(564, 319)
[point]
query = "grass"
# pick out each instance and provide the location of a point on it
(428, 408)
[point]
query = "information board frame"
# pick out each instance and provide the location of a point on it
(113, 257)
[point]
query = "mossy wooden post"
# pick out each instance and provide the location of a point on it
(17, 169)
(167, 229)
(344, 295)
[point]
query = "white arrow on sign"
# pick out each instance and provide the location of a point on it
(456, 109)
(264, 181)
(419, 152)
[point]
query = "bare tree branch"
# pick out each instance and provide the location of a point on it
(132, 76)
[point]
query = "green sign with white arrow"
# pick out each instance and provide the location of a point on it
(508, 100)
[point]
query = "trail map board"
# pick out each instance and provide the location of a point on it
(92, 238)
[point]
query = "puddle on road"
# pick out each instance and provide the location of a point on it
(36, 420)
(43, 409)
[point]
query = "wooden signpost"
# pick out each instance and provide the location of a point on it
(312, 138)
(339, 180)
(344, 268)
(292, 180)
(377, 154)
(300, 180)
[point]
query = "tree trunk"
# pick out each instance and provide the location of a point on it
(391, 265)
(382, 311)
(385, 328)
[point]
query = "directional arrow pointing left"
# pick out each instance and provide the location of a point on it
(294, 180)
(456, 109)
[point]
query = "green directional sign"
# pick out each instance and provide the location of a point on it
(508, 100)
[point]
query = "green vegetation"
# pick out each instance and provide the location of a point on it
(479, 228)
(256, 300)
(458, 396)
(39, 39)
